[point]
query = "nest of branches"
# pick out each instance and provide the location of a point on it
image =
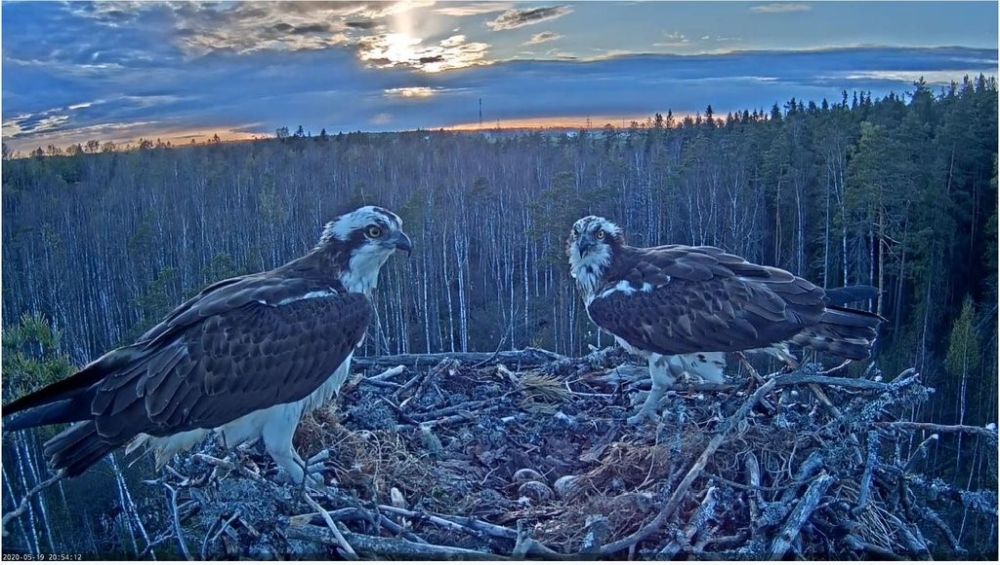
(528, 455)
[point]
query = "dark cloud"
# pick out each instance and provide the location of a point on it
(515, 18)
(361, 24)
(543, 37)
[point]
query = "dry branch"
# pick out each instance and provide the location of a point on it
(388, 548)
(799, 516)
(528, 357)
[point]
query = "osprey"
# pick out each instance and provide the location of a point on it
(684, 307)
(245, 358)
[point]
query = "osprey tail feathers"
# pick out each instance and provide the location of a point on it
(842, 332)
(845, 294)
(76, 448)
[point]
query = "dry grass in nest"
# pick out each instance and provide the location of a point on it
(632, 464)
(876, 522)
(542, 393)
(371, 462)
(564, 524)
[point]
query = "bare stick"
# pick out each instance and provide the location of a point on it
(803, 379)
(799, 516)
(866, 478)
(177, 521)
(825, 400)
(436, 520)
(341, 542)
(388, 548)
(449, 410)
(920, 452)
(205, 544)
(22, 507)
(227, 465)
(705, 512)
(527, 357)
(491, 529)
(387, 374)
(681, 491)
(859, 544)
(990, 435)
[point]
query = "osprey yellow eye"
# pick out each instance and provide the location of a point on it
(374, 231)
(601, 234)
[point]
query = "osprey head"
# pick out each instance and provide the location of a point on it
(592, 244)
(367, 237)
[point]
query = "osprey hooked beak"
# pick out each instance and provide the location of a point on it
(402, 242)
(585, 243)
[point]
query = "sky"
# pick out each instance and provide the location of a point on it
(120, 71)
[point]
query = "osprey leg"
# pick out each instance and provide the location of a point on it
(659, 371)
(277, 435)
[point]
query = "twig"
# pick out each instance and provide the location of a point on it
(866, 478)
(445, 366)
(436, 520)
(388, 548)
(678, 495)
(344, 545)
(858, 544)
(386, 374)
(990, 435)
(705, 512)
(802, 379)
(205, 544)
(23, 506)
(227, 465)
(159, 539)
(177, 521)
(799, 516)
(455, 408)
(527, 357)
(837, 414)
(920, 452)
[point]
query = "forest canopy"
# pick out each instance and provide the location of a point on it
(898, 192)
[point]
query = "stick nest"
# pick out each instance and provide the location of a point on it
(480, 460)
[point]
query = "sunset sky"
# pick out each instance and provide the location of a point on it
(122, 70)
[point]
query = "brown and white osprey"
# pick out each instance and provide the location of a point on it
(245, 359)
(684, 307)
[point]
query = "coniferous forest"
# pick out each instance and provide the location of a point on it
(898, 192)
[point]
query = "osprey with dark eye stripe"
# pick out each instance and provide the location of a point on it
(245, 358)
(684, 307)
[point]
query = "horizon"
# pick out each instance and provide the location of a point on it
(121, 72)
(562, 124)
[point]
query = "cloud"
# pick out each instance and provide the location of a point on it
(381, 119)
(674, 39)
(780, 8)
(412, 92)
(257, 26)
(465, 10)
(403, 50)
(31, 124)
(515, 18)
(543, 37)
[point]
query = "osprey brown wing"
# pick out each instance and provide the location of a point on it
(273, 348)
(678, 299)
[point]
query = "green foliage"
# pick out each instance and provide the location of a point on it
(32, 357)
(963, 348)
(223, 266)
(160, 297)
